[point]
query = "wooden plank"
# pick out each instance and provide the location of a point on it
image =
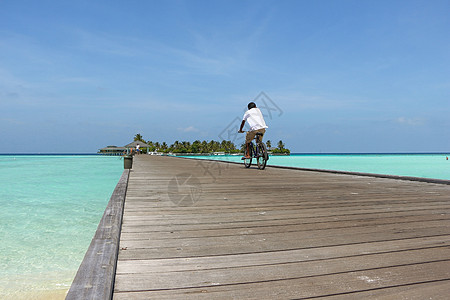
(248, 243)
(332, 284)
(136, 281)
(171, 233)
(279, 257)
(324, 222)
(263, 215)
(96, 274)
(246, 246)
(279, 233)
(433, 290)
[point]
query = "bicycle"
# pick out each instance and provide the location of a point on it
(257, 151)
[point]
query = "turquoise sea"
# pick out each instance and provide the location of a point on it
(416, 165)
(50, 208)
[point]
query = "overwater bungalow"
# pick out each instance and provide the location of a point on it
(112, 150)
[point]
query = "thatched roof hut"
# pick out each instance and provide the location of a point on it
(135, 143)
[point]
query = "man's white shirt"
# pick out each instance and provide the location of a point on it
(255, 119)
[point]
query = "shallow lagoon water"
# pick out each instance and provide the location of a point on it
(50, 208)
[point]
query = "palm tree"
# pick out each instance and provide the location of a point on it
(196, 146)
(186, 145)
(138, 137)
(212, 146)
(269, 144)
(204, 147)
(280, 145)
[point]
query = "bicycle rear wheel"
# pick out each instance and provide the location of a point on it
(262, 157)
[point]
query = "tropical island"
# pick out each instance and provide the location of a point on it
(195, 147)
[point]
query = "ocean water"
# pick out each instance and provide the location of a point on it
(416, 165)
(50, 208)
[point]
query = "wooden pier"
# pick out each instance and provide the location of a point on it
(209, 230)
(198, 229)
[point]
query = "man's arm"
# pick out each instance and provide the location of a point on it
(242, 126)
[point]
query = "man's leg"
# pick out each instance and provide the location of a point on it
(248, 138)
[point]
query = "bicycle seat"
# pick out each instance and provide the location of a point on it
(259, 133)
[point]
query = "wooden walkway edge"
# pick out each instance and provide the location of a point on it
(96, 274)
(213, 230)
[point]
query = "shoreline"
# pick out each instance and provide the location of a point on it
(39, 286)
(56, 294)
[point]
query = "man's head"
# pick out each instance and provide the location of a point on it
(251, 105)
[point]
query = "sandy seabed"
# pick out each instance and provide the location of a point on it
(59, 294)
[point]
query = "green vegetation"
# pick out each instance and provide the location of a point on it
(201, 146)
(280, 149)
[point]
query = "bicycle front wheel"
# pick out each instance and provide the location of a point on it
(262, 157)
(248, 162)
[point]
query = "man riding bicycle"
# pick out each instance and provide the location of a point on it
(257, 125)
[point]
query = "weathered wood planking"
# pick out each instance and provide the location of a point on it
(96, 274)
(279, 234)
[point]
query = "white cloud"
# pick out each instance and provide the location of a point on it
(410, 121)
(189, 129)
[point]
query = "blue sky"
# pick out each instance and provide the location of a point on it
(333, 76)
